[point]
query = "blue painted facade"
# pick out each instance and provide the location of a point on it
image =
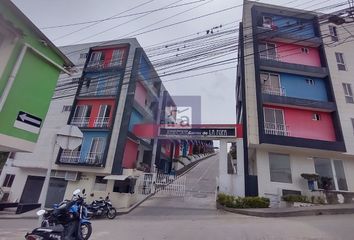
(293, 26)
(296, 86)
(86, 142)
(135, 118)
(144, 69)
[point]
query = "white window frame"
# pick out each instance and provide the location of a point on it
(119, 52)
(316, 117)
(348, 93)
(290, 167)
(310, 81)
(340, 61)
(267, 51)
(305, 50)
(334, 173)
(11, 178)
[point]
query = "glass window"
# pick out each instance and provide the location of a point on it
(348, 93)
(117, 57)
(333, 33)
(340, 61)
(267, 22)
(124, 186)
(324, 169)
(100, 184)
(9, 179)
(267, 51)
(340, 175)
(280, 170)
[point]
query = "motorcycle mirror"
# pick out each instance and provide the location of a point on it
(40, 212)
(76, 192)
(83, 191)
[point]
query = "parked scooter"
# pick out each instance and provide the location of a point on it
(68, 220)
(102, 208)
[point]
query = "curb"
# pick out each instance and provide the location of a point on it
(289, 212)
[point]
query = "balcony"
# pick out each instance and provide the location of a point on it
(278, 91)
(75, 157)
(101, 122)
(276, 129)
(94, 90)
(80, 121)
(100, 65)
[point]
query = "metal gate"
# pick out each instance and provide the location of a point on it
(161, 185)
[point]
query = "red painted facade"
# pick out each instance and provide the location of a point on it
(95, 104)
(130, 154)
(291, 53)
(301, 124)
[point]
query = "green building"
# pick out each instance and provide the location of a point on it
(30, 65)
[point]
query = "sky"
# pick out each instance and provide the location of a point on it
(216, 89)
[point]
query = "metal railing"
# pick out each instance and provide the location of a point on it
(104, 90)
(279, 91)
(102, 122)
(80, 121)
(68, 156)
(94, 158)
(276, 129)
(270, 57)
(97, 65)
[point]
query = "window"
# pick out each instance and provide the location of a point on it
(124, 186)
(340, 61)
(305, 50)
(267, 22)
(117, 57)
(279, 165)
(348, 93)
(268, 51)
(75, 80)
(83, 55)
(274, 123)
(102, 119)
(333, 33)
(316, 117)
(100, 184)
(310, 81)
(66, 108)
(96, 58)
(9, 179)
(327, 169)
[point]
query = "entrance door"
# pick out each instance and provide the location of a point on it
(32, 189)
(56, 191)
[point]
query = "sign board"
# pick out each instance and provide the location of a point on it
(198, 132)
(28, 122)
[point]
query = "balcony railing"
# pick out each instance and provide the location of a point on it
(68, 156)
(94, 158)
(73, 157)
(276, 129)
(80, 121)
(98, 65)
(270, 57)
(104, 90)
(102, 122)
(273, 90)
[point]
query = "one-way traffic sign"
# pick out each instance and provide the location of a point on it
(28, 122)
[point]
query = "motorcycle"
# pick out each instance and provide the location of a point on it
(63, 221)
(102, 207)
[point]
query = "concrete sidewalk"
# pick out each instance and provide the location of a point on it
(294, 211)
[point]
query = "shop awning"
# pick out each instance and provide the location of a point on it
(116, 177)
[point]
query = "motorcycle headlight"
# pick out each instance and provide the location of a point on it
(33, 237)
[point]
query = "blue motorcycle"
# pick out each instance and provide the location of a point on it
(67, 220)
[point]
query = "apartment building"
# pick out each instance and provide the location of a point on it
(293, 97)
(114, 89)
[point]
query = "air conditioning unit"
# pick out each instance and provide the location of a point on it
(72, 176)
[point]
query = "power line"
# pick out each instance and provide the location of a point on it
(117, 17)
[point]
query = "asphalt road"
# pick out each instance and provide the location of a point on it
(195, 217)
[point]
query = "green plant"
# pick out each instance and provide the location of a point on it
(295, 198)
(239, 202)
(320, 200)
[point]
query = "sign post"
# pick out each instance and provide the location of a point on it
(69, 137)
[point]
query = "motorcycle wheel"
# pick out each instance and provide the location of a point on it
(86, 231)
(112, 213)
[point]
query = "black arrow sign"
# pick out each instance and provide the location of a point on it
(29, 119)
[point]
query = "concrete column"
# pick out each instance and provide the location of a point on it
(240, 177)
(224, 186)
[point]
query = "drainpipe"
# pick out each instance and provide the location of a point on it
(12, 77)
